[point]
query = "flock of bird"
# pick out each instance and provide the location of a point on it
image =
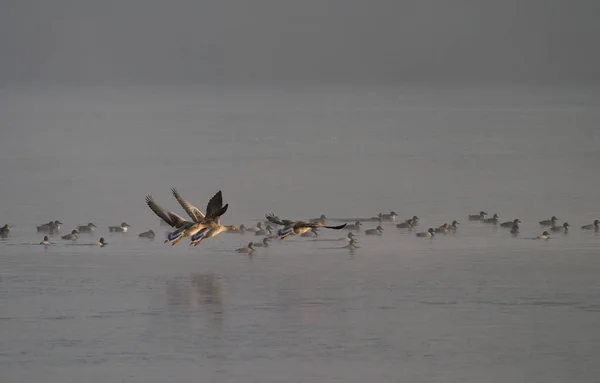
(207, 225)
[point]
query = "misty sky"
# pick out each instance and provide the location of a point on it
(271, 41)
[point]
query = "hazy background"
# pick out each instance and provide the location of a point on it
(301, 108)
(283, 41)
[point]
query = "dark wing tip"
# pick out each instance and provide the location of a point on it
(336, 227)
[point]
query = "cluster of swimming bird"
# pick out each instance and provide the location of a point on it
(53, 227)
(208, 225)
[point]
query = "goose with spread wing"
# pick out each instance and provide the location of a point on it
(203, 222)
(297, 227)
(185, 228)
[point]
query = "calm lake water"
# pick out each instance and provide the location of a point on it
(478, 306)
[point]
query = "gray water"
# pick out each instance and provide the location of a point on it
(478, 306)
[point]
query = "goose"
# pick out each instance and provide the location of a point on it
(214, 210)
(297, 227)
(313, 232)
(211, 229)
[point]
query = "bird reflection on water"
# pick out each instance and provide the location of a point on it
(198, 293)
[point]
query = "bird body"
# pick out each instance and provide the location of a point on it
(428, 234)
(71, 236)
(478, 217)
(297, 227)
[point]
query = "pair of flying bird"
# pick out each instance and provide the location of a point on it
(202, 226)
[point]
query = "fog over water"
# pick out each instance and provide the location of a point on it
(347, 109)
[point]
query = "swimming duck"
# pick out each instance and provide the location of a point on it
(478, 217)
(147, 234)
(350, 237)
(297, 227)
(545, 235)
(119, 229)
(214, 210)
(246, 250)
(265, 231)
(442, 229)
(101, 242)
(391, 217)
(415, 220)
(50, 227)
(563, 228)
(408, 224)
(454, 226)
(351, 245)
(90, 227)
(264, 243)
(321, 219)
(237, 230)
(493, 220)
(593, 226)
(356, 226)
(46, 241)
(429, 233)
(510, 224)
(313, 232)
(4, 230)
(549, 222)
(377, 231)
(72, 236)
(514, 230)
(258, 227)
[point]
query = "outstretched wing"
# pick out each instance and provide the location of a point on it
(159, 211)
(336, 227)
(274, 219)
(215, 207)
(195, 214)
(170, 218)
(178, 221)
